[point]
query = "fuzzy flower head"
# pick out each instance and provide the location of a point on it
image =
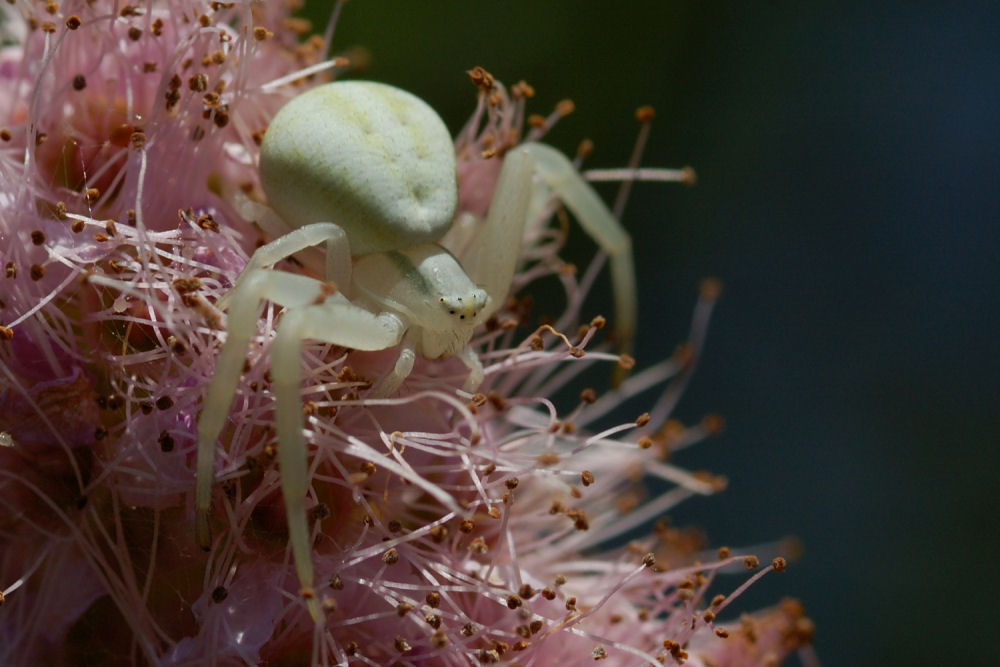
(446, 527)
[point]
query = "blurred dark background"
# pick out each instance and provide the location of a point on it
(848, 157)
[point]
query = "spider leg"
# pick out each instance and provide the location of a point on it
(593, 215)
(339, 323)
(286, 289)
(338, 254)
(492, 257)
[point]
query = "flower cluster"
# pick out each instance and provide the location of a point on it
(448, 528)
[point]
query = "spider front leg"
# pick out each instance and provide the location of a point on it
(286, 289)
(562, 178)
(338, 323)
(338, 254)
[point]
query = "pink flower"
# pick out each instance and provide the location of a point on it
(448, 529)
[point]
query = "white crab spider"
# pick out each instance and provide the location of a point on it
(369, 171)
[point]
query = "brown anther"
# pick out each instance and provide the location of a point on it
(79, 82)
(513, 602)
(779, 564)
(351, 648)
(38, 237)
(91, 195)
(536, 343)
(649, 560)
(724, 553)
(210, 99)
(714, 424)
(536, 121)
(48, 26)
(645, 442)
(130, 217)
(109, 227)
(73, 22)
(77, 226)
(134, 33)
(198, 82)
(403, 608)
(626, 362)
(587, 477)
(721, 633)
(207, 222)
(642, 419)
(478, 546)
(40, 138)
(157, 27)
(101, 237)
(512, 483)
(438, 534)
(37, 271)
(137, 139)
(166, 442)
(710, 289)
(466, 526)
(164, 403)
(481, 79)
(218, 57)
(548, 459)
(565, 107)
(307, 592)
(751, 562)
(187, 285)
(260, 33)
(439, 639)
(5, 134)
(689, 177)
(391, 557)
(580, 521)
(718, 600)
(645, 114)
(219, 593)
(6, 333)
(10, 269)
(172, 97)
(129, 10)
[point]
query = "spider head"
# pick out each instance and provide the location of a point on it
(466, 307)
